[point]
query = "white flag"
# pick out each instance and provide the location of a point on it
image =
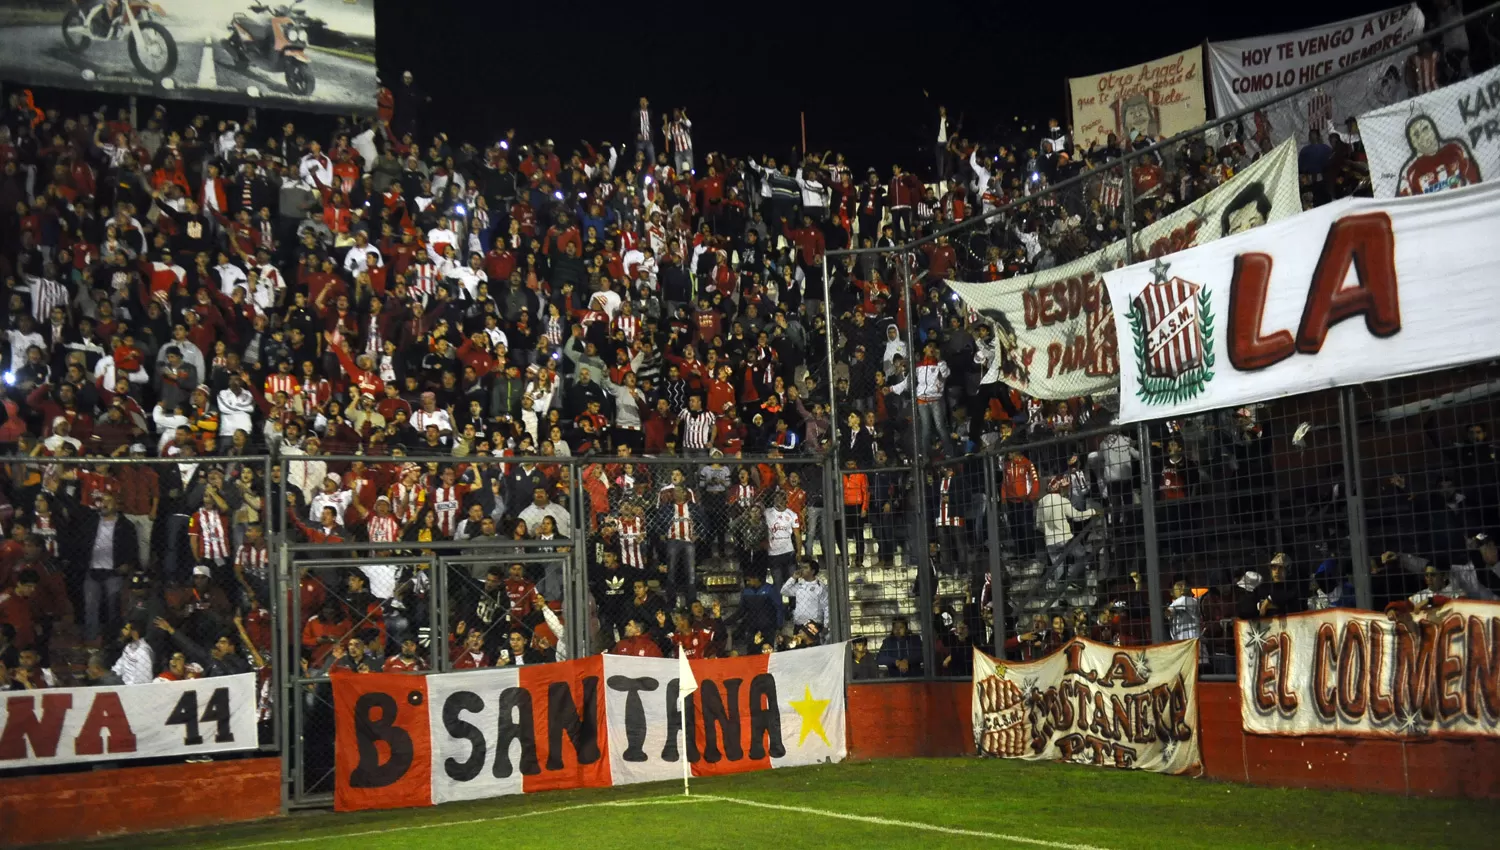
(686, 684)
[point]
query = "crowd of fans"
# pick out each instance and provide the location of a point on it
(201, 293)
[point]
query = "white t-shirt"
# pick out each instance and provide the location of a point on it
(779, 528)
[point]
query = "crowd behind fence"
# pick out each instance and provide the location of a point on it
(848, 465)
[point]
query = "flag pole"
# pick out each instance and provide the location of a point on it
(687, 768)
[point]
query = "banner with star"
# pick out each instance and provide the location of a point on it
(1092, 703)
(415, 740)
(1416, 676)
(1056, 327)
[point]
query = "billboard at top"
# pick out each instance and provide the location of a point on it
(298, 54)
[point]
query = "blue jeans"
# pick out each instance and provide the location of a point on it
(101, 602)
(931, 416)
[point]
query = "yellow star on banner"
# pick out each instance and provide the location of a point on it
(811, 711)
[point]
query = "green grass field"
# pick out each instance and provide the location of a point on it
(930, 803)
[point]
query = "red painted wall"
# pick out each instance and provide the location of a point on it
(120, 801)
(914, 719)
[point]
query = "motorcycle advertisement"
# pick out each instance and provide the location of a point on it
(302, 54)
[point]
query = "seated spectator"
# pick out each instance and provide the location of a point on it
(901, 651)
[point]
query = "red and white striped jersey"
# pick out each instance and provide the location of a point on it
(254, 560)
(208, 526)
(946, 516)
(315, 394)
(680, 132)
(697, 429)
(420, 419)
(422, 280)
(384, 529)
(633, 542)
(279, 383)
(445, 503)
(1425, 69)
(407, 500)
(742, 495)
(680, 521)
(45, 528)
(629, 326)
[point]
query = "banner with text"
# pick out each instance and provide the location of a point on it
(1162, 97)
(1263, 314)
(1357, 673)
(1249, 71)
(311, 54)
(1092, 703)
(1445, 139)
(1056, 327)
(605, 720)
(188, 719)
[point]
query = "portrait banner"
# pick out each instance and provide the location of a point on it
(1159, 98)
(1445, 139)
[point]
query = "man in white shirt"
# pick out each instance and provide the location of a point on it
(236, 406)
(230, 275)
(809, 599)
(316, 169)
(1184, 621)
(354, 260)
(137, 663)
(543, 506)
(783, 538)
(1054, 516)
(439, 238)
(330, 497)
(431, 414)
(469, 278)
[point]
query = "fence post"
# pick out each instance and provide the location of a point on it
(1148, 530)
(575, 570)
(997, 565)
(919, 466)
(437, 614)
(1354, 498)
(838, 571)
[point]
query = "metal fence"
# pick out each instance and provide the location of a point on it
(1034, 520)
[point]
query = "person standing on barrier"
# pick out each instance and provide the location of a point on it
(783, 537)
(1019, 489)
(681, 540)
(856, 510)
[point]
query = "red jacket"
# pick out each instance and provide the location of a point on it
(640, 645)
(904, 191)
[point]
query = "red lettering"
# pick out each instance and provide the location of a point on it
(1265, 677)
(1368, 244)
(1073, 653)
(1122, 672)
(22, 725)
(1286, 698)
(1032, 309)
(1381, 706)
(1352, 687)
(1248, 350)
(1482, 678)
(1416, 670)
(1451, 671)
(1054, 358)
(1325, 661)
(105, 715)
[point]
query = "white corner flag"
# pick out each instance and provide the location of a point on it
(686, 685)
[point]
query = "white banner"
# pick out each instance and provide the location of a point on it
(793, 713)
(1091, 703)
(1446, 139)
(460, 702)
(1358, 673)
(72, 725)
(1249, 71)
(1262, 314)
(311, 54)
(1057, 325)
(1159, 98)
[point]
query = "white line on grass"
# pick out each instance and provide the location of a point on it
(648, 801)
(946, 830)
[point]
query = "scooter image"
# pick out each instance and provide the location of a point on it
(152, 49)
(275, 38)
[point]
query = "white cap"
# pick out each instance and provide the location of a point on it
(203, 570)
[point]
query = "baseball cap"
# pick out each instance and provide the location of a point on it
(203, 570)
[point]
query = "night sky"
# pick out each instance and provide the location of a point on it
(745, 71)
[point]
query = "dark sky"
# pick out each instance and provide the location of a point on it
(746, 71)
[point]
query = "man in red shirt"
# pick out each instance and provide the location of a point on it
(520, 591)
(694, 643)
(408, 661)
(636, 643)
